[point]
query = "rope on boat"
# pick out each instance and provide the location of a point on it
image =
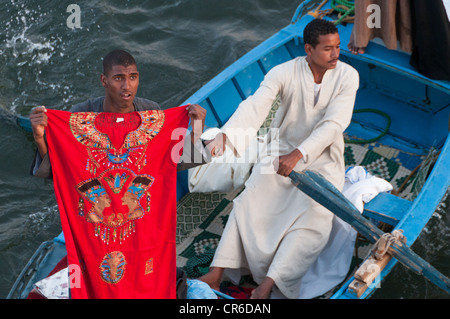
(388, 125)
(382, 245)
(344, 8)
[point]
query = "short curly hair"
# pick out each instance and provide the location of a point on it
(316, 28)
(117, 57)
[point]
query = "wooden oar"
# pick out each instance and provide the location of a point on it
(318, 188)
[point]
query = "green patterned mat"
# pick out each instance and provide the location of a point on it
(198, 238)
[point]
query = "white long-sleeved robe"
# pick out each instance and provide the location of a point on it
(274, 229)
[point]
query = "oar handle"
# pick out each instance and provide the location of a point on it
(323, 192)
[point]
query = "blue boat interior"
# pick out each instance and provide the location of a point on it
(395, 104)
(407, 110)
(391, 88)
(411, 110)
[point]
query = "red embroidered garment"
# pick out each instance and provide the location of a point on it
(115, 185)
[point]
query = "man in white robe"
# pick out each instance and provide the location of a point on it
(274, 230)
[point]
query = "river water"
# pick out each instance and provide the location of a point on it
(179, 46)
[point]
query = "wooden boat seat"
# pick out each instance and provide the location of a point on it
(387, 208)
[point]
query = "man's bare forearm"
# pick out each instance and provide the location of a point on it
(41, 145)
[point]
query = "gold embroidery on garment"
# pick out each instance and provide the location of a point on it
(101, 151)
(115, 197)
(112, 267)
(82, 125)
(131, 195)
(149, 266)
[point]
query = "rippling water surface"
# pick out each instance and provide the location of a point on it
(179, 46)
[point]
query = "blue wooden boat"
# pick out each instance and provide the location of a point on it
(401, 120)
